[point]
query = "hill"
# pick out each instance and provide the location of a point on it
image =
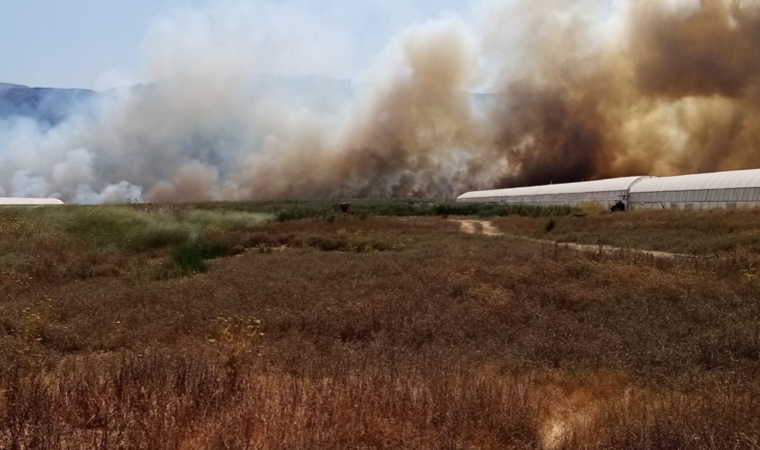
(50, 106)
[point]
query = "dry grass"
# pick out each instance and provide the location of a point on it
(161, 401)
(693, 232)
(381, 333)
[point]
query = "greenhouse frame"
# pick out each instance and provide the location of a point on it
(737, 189)
(721, 190)
(606, 193)
(5, 201)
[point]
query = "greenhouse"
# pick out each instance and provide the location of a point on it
(29, 201)
(738, 189)
(605, 193)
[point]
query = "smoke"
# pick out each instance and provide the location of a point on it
(665, 88)
(529, 92)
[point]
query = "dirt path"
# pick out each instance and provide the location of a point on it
(487, 228)
(490, 230)
(473, 226)
(610, 249)
(467, 226)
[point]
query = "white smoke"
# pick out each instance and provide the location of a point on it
(117, 193)
(75, 170)
(200, 129)
(24, 184)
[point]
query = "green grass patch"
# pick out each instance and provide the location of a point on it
(287, 211)
(122, 227)
(191, 257)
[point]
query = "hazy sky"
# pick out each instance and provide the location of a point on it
(100, 43)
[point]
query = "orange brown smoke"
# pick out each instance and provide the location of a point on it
(674, 90)
(678, 93)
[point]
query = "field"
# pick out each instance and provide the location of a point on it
(285, 326)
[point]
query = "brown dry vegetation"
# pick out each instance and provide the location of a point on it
(704, 233)
(376, 334)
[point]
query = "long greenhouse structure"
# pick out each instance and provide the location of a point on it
(6, 201)
(606, 193)
(738, 189)
(726, 190)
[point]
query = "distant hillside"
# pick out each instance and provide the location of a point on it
(48, 106)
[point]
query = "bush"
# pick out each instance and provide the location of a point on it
(158, 236)
(191, 257)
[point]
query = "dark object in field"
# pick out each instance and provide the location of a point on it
(618, 207)
(344, 208)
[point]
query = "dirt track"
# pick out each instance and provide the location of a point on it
(487, 228)
(484, 226)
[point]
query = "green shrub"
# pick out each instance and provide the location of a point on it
(224, 219)
(191, 257)
(158, 235)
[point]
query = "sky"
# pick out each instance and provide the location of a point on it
(97, 44)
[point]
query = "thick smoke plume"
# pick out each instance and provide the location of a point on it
(532, 92)
(668, 88)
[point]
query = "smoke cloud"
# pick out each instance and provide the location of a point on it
(529, 92)
(665, 88)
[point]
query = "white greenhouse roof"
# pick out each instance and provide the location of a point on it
(706, 181)
(29, 201)
(611, 185)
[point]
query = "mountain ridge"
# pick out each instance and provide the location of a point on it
(51, 106)
(320, 94)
